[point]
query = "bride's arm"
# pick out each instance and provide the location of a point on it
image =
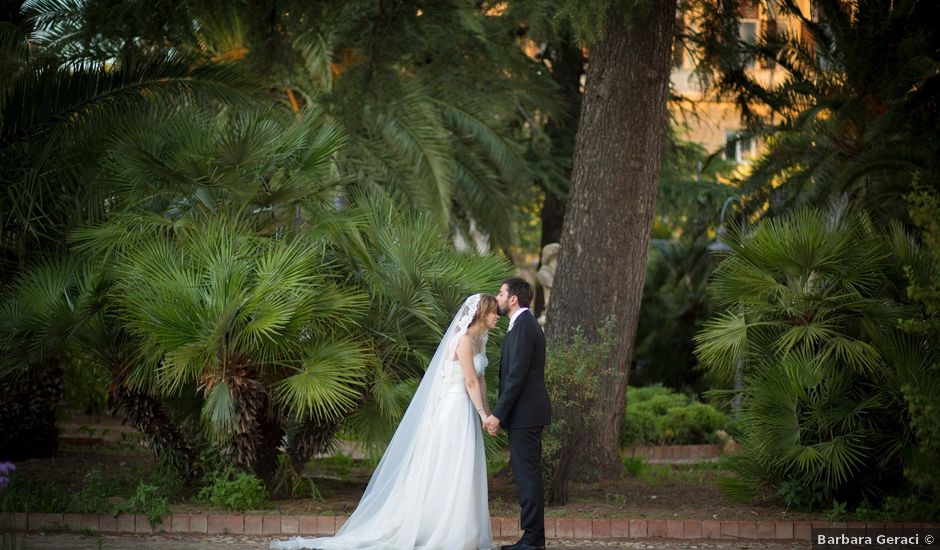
(465, 357)
(486, 396)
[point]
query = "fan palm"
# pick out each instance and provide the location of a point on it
(255, 325)
(275, 168)
(55, 117)
(438, 101)
(415, 281)
(812, 304)
(55, 316)
(38, 317)
(222, 188)
(441, 118)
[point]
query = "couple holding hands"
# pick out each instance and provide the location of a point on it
(429, 491)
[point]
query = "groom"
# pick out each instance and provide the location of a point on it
(523, 408)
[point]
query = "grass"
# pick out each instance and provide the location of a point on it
(111, 479)
(339, 465)
(655, 474)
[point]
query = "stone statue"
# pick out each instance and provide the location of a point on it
(546, 275)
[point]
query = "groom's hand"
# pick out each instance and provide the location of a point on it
(492, 425)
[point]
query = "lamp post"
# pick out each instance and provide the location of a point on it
(718, 246)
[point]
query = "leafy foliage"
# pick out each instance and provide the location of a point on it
(854, 116)
(147, 501)
(658, 415)
(675, 302)
(236, 492)
(438, 102)
(574, 370)
(922, 397)
(56, 115)
(812, 303)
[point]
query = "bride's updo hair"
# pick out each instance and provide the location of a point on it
(486, 306)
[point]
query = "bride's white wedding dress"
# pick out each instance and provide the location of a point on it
(429, 491)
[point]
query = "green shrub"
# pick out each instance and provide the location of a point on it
(923, 395)
(573, 371)
(338, 464)
(694, 423)
(229, 491)
(659, 404)
(147, 500)
(640, 427)
(29, 494)
(907, 508)
(92, 498)
(658, 415)
(635, 465)
(648, 393)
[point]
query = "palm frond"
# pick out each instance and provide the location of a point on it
(325, 384)
(219, 414)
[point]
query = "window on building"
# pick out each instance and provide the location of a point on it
(739, 147)
(747, 29)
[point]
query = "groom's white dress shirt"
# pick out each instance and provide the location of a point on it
(515, 315)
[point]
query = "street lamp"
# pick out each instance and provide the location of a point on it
(719, 246)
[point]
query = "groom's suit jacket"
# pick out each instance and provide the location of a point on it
(523, 400)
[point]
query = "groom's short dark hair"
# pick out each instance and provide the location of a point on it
(519, 287)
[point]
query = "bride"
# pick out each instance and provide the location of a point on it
(429, 490)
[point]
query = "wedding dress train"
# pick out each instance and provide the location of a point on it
(430, 489)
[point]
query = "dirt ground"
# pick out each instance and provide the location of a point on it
(662, 492)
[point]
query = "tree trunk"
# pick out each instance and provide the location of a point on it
(602, 263)
(312, 437)
(146, 414)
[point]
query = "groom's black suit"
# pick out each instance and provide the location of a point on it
(523, 409)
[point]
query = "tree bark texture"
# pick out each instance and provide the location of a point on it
(147, 415)
(602, 262)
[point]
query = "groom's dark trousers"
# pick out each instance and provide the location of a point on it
(525, 456)
(523, 409)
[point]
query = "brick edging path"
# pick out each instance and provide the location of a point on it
(691, 453)
(555, 528)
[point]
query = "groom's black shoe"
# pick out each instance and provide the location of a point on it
(521, 546)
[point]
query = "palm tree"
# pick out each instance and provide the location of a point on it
(415, 282)
(277, 170)
(812, 303)
(38, 315)
(854, 115)
(206, 194)
(56, 115)
(438, 102)
(55, 315)
(254, 325)
(226, 195)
